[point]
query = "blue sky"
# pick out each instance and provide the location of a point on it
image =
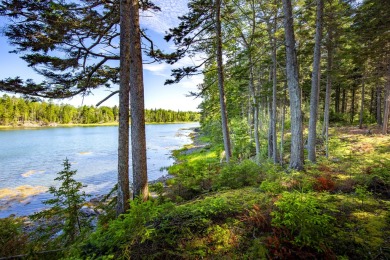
(156, 94)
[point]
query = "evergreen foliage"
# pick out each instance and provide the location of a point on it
(12, 239)
(65, 221)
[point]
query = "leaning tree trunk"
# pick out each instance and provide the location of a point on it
(124, 88)
(222, 99)
(315, 85)
(296, 158)
(138, 139)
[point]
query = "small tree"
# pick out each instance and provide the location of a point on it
(64, 215)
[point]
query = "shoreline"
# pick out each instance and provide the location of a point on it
(195, 145)
(54, 125)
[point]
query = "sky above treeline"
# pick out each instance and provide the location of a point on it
(156, 94)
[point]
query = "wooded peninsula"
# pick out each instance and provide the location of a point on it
(19, 112)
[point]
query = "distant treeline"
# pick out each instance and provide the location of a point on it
(15, 110)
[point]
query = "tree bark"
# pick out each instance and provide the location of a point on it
(325, 130)
(270, 134)
(329, 66)
(344, 101)
(138, 137)
(386, 112)
(361, 107)
(353, 104)
(255, 109)
(372, 102)
(282, 127)
(221, 87)
(315, 84)
(296, 158)
(123, 195)
(378, 105)
(274, 90)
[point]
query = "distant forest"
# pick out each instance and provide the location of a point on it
(14, 111)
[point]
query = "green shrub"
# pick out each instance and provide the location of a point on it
(233, 175)
(302, 215)
(192, 178)
(120, 235)
(273, 187)
(338, 117)
(12, 240)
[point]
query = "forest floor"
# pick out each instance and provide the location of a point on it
(336, 208)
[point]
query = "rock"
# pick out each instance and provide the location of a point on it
(87, 211)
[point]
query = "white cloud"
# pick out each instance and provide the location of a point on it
(158, 69)
(164, 70)
(166, 18)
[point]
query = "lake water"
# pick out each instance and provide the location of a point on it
(31, 158)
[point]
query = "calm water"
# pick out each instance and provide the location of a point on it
(34, 156)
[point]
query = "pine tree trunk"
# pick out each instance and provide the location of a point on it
(123, 134)
(254, 107)
(296, 158)
(256, 130)
(274, 90)
(270, 134)
(378, 105)
(361, 108)
(222, 99)
(344, 101)
(337, 100)
(138, 138)
(315, 85)
(328, 84)
(372, 102)
(328, 94)
(282, 127)
(353, 104)
(386, 112)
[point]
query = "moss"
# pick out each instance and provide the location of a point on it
(370, 228)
